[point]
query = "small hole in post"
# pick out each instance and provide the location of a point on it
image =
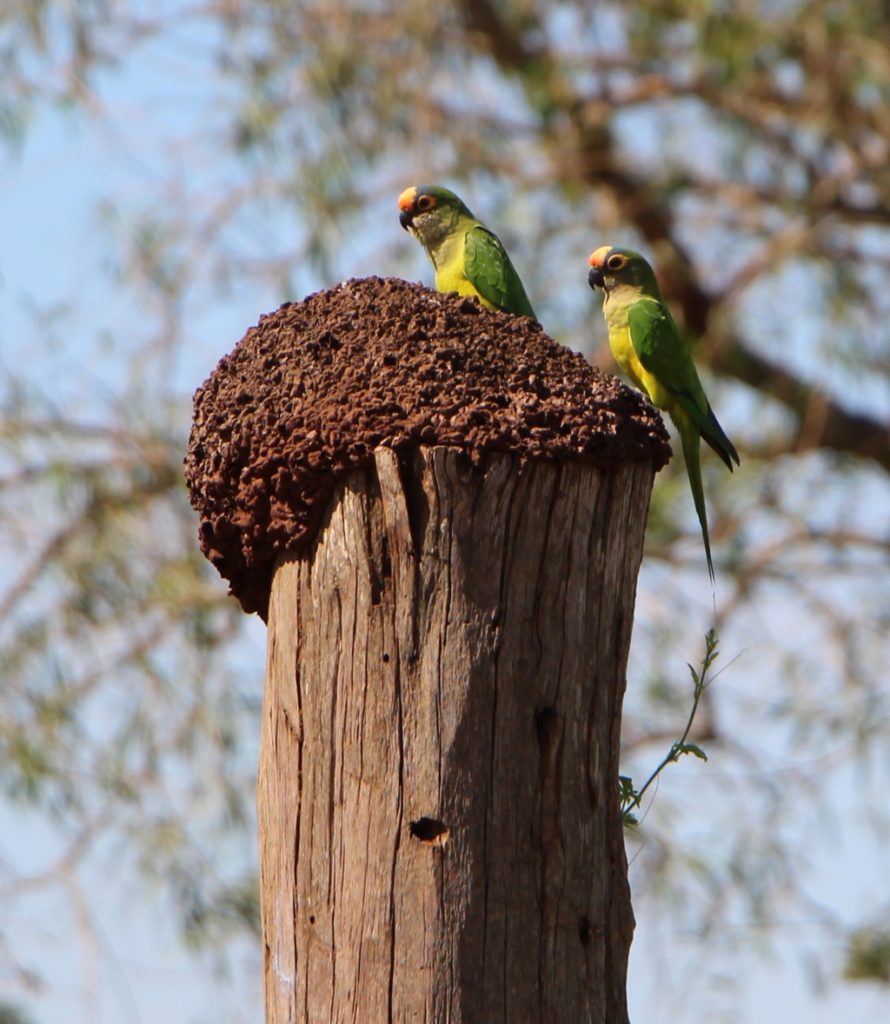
(428, 830)
(584, 931)
(385, 659)
(546, 725)
(312, 918)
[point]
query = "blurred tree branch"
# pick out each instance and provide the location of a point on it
(593, 159)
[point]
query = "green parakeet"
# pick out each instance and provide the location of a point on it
(469, 259)
(649, 348)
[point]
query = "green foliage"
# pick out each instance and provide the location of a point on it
(631, 797)
(10, 1014)
(231, 910)
(868, 956)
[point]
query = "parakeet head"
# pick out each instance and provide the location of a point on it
(611, 268)
(430, 213)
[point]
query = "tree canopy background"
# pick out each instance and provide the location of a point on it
(232, 154)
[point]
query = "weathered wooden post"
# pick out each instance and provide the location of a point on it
(440, 511)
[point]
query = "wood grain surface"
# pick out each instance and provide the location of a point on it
(437, 794)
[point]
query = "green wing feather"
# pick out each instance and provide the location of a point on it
(660, 348)
(662, 353)
(488, 268)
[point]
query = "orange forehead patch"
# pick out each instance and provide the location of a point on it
(598, 257)
(406, 199)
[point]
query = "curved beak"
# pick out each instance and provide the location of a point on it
(596, 278)
(405, 218)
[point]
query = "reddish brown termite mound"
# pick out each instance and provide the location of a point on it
(315, 387)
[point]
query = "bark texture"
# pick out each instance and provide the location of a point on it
(439, 826)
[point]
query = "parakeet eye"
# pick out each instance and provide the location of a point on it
(425, 203)
(616, 262)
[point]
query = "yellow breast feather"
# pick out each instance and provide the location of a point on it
(626, 356)
(450, 276)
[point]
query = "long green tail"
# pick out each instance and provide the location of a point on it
(691, 442)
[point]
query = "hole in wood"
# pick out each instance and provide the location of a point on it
(546, 721)
(428, 830)
(385, 659)
(312, 918)
(584, 931)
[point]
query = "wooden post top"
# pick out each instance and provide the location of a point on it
(310, 391)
